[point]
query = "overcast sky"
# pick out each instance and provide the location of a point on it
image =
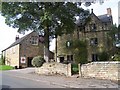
(8, 34)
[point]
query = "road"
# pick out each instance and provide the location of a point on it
(23, 78)
(10, 81)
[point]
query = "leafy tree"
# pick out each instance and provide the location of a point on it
(49, 19)
(2, 60)
(114, 33)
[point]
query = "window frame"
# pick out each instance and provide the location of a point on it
(34, 40)
(93, 27)
(93, 41)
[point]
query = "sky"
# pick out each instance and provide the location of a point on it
(8, 34)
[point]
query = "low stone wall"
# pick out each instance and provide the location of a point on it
(101, 70)
(54, 68)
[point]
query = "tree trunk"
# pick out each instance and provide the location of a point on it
(56, 48)
(46, 47)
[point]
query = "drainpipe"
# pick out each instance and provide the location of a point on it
(56, 49)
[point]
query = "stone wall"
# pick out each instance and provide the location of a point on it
(12, 56)
(54, 68)
(101, 70)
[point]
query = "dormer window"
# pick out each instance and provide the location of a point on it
(34, 40)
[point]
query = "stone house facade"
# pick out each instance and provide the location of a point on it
(95, 34)
(23, 50)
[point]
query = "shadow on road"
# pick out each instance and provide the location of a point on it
(5, 87)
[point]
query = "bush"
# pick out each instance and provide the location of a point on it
(103, 56)
(116, 57)
(38, 61)
(2, 60)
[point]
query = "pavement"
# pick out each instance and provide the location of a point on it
(67, 82)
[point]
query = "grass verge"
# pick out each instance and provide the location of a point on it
(5, 67)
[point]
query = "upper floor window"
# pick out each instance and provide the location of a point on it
(34, 40)
(93, 27)
(93, 41)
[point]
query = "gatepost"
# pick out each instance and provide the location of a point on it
(69, 71)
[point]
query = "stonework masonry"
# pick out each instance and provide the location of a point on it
(101, 70)
(12, 56)
(21, 52)
(97, 39)
(54, 68)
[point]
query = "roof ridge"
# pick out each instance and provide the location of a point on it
(18, 41)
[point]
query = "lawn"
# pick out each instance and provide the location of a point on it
(5, 67)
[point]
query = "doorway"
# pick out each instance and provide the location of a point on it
(94, 57)
(29, 61)
(61, 59)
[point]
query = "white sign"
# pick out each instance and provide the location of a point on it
(23, 60)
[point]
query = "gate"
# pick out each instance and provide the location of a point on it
(74, 68)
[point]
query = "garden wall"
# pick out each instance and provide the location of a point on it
(102, 70)
(54, 68)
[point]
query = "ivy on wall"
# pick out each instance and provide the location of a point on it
(77, 48)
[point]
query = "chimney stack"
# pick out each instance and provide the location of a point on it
(109, 12)
(17, 37)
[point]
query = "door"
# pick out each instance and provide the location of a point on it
(61, 59)
(94, 57)
(30, 62)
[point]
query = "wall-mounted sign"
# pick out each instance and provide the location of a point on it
(23, 60)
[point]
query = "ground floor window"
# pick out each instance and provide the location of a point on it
(69, 58)
(61, 59)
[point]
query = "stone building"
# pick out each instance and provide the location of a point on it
(22, 51)
(94, 33)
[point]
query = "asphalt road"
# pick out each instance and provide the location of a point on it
(26, 79)
(9, 81)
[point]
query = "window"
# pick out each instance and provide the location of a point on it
(94, 57)
(34, 40)
(93, 41)
(93, 27)
(61, 59)
(70, 58)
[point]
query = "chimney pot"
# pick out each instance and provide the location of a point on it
(17, 37)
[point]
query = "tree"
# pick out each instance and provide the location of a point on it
(115, 34)
(49, 19)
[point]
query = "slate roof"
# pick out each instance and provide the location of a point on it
(17, 42)
(105, 18)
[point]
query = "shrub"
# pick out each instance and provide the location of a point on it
(38, 61)
(116, 57)
(103, 56)
(78, 48)
(2, 60)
